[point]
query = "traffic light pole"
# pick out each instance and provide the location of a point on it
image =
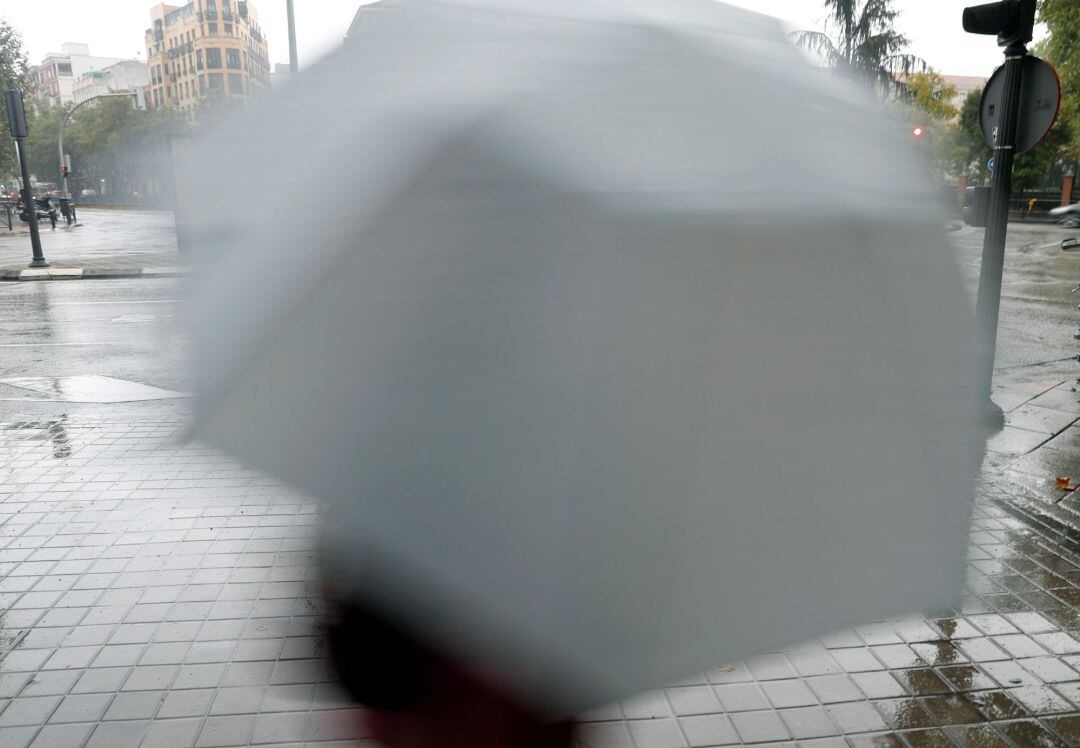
(30, 208)
(988, 305)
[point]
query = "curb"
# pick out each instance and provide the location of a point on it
(47, 274)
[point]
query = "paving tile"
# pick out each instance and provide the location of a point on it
(62, 736)
(711, 730)
(807, 722)
(788, 693)
(981, 736)
(758, 727)
(693, 700)
(118, 735)
(855, 717)
(282, 727)
(172, 733)
(81, 708)
(951, 710)
(1030, 733)
(135, 705)
(220, 732)
(741, 697)
(337, 724)
(657, 733)
(242, 700)
(101, 680)
(187, 703)
(1040, 700)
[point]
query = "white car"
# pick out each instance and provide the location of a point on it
(1067, 215)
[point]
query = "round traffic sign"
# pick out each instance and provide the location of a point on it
(991, 164)
(1040, 100)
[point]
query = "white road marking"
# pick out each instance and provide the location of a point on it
(54, 345)
(105, 303)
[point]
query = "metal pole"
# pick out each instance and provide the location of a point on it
(31, 208)
(294, 60)
(988, 305)
(63, 174)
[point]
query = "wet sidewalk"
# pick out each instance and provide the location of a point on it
(155, 594)
(113, 243)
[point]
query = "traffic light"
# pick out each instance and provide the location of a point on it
(1012, 20)
(976, 206)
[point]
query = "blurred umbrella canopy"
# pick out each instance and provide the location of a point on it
(622, 339)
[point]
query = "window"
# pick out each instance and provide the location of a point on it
(228, 29)
(236, 84)
(202, 84)
(217, 81)
(233, 58)
(211, 29)
(63, 68)
(198, 57)
(213, 58)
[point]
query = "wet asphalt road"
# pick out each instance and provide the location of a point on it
(123, 329)
(1038, 311)
(99, 235)
(130, 329)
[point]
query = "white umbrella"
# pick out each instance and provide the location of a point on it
(623, 336)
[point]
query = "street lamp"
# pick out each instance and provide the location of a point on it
(294, 61)
(63, 124)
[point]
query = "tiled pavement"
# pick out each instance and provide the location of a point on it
(154, 594)
(157, 595)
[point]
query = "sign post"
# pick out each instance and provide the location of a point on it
(1013, 22)
(18, 129)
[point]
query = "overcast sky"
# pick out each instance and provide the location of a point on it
(114, 28)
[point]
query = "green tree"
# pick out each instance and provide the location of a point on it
(14, 73)
(108, 140)
(111, 141)
(968, 150)
(930, 96)
(860, 42)
(927, 102)
(1062, 49)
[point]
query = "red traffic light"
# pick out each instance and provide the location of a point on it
(918, 131)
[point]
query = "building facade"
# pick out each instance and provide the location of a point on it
(59, 71)
(206, 49)
(126, 76)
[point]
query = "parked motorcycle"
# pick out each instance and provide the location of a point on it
(44, 208)
(67, 210)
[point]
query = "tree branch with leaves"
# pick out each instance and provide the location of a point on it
(860, 42)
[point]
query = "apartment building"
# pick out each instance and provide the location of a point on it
(205, 49)
(60, 71)
(126, 76)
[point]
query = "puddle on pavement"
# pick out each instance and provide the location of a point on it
(54, 431)
(88, 389)
(136, 319)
